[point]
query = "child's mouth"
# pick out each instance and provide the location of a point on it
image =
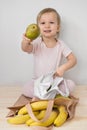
(47, 31)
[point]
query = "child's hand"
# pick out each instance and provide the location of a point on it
(59, 72)
(27, 40)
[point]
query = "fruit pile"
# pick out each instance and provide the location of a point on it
(57, 117)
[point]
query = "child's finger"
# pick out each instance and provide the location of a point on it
(27, 39)
(55, 75)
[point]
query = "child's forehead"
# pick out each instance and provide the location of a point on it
(48, 15)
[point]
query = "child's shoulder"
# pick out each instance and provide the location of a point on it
(61, 42)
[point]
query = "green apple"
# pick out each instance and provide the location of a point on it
(32, 31)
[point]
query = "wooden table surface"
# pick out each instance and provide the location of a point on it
(9, 95)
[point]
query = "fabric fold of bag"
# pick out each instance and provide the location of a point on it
(21, 101)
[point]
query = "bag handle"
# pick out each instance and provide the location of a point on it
(47, 114)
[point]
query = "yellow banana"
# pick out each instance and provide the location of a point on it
(18, 119)
(39, 105)
(28, 122)
(39, 116)
(60, 96)
(62, 117)
(48, 122)
(22, 111)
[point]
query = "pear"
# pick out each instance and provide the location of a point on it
(32, 31)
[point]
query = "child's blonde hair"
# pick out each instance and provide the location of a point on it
(48, 10)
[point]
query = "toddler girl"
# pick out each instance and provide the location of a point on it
(48, 50)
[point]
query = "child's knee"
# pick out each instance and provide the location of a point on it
(69, 84)
(28, 90)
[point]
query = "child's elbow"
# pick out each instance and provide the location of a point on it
(75, 60)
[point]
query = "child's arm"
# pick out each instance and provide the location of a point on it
(71, 61)
(26, 44)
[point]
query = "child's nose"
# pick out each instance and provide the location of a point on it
(47, 25)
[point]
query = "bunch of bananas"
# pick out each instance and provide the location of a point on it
(57, 117)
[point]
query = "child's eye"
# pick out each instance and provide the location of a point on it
(52, 22)
(42, 22)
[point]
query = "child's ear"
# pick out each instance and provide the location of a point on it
(58, 28)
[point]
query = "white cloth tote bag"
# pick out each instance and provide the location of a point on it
(46, 87)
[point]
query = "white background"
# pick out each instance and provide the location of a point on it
(16, 67)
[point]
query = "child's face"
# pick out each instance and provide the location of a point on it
(48, 25)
